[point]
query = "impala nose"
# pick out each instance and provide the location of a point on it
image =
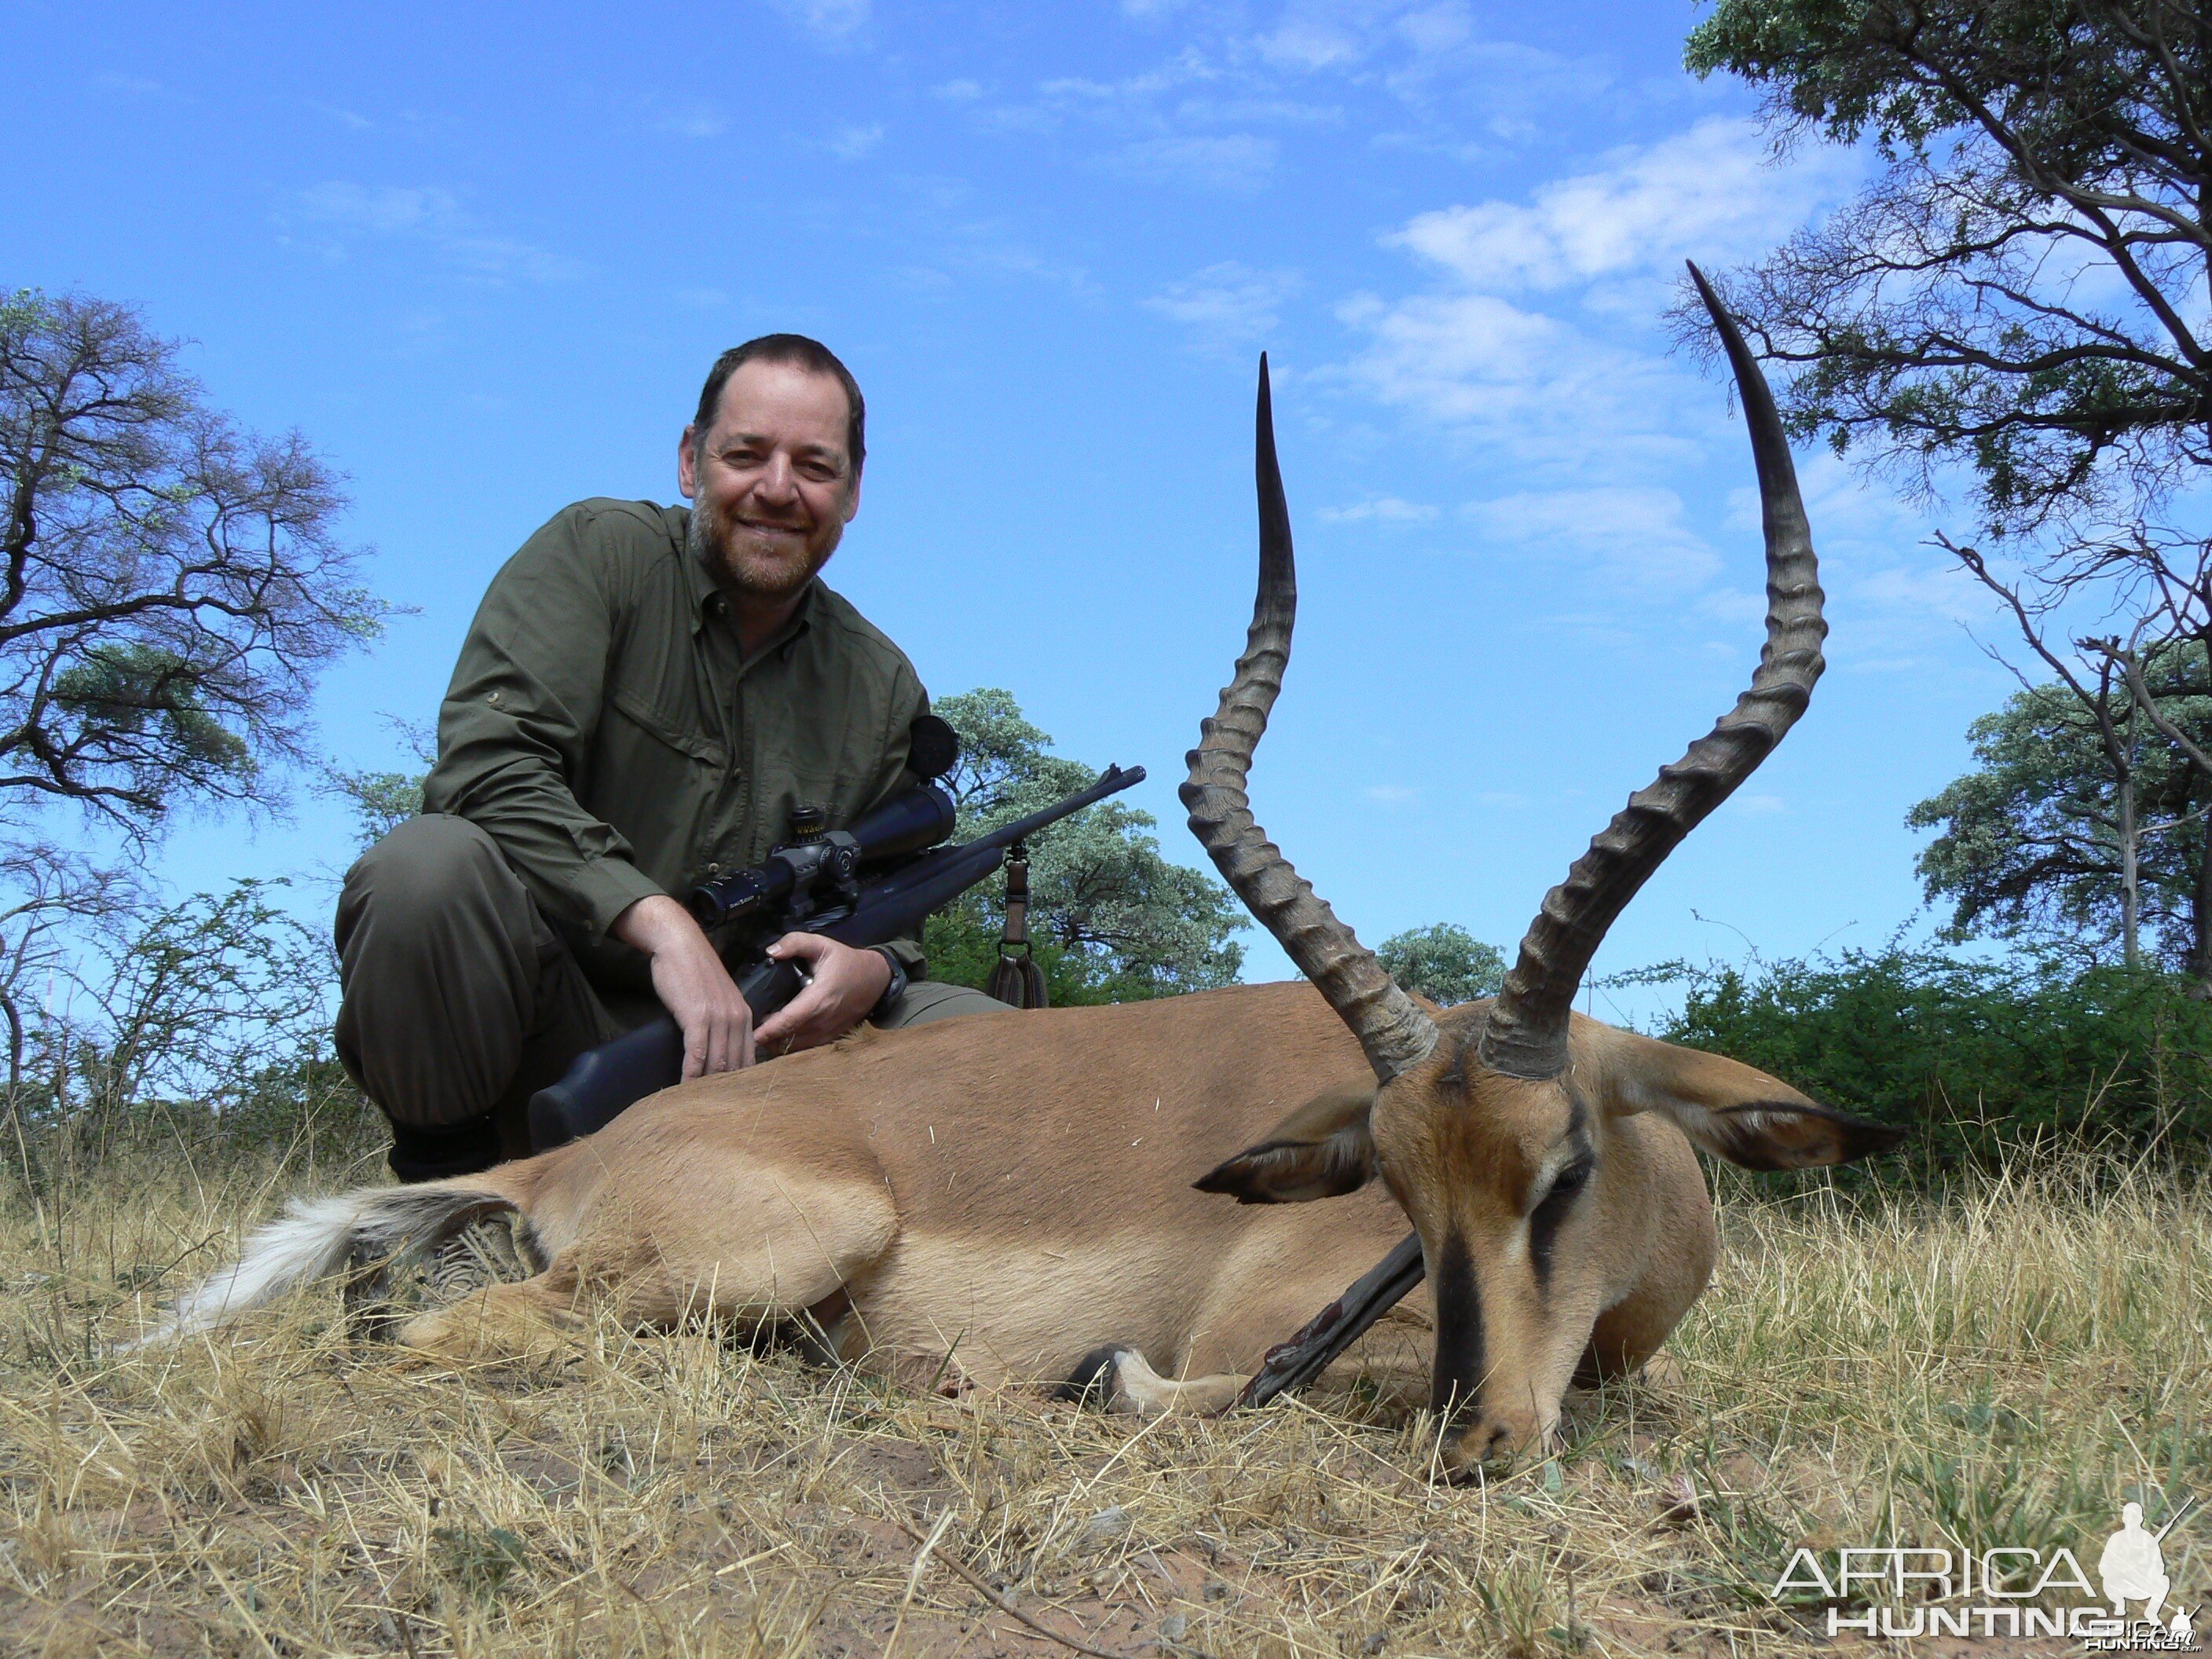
(1494, 1442)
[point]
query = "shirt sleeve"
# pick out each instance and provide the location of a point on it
(524, 705)
(906, 703)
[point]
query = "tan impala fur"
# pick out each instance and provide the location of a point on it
(1013, 1191)
(1010, 1198)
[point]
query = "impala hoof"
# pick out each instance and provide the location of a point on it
(1096, 1380)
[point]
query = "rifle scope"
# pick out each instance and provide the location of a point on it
(907, 824)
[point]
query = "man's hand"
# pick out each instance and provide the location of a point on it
(846, 984)
(692, 984)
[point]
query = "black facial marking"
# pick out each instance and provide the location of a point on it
(1552, 1209)
(1544, 1221)
(1458, 1374)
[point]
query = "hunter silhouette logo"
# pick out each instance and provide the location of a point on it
(1987, 1590)
(2133, 1567)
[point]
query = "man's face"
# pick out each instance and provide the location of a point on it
(772, 487)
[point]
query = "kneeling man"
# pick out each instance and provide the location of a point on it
(646, 696)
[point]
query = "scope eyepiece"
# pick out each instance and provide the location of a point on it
(747, 893)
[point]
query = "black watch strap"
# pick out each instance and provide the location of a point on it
(893, 991)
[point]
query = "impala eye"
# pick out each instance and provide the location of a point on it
(1568, 1181)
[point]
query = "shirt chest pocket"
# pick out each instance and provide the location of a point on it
(668, 732)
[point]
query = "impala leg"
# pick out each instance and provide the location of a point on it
(533, 1320)
(1119, 1380)
(748, 1241)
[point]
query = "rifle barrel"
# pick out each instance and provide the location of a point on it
(1112, 782)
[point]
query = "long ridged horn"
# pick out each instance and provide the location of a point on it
(1389, 1025)
(1527, 1033)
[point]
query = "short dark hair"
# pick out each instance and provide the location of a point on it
(800, 352)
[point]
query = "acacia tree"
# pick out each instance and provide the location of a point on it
(2038, 843)
(1113, 919)
(2014, 292)
(2014, 301)
(171, 586)
(1443, 963)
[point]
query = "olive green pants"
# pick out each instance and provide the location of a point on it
(460, 1001)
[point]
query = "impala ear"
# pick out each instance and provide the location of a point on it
(1728, 1108)
(1781, 1135)
(1323, 1150)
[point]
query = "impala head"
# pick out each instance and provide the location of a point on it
(1498, 1125)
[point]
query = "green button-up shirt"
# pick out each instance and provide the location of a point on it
(605, 729)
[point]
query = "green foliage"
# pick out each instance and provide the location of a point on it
(1111, 919)
(382, 801)
(174, 585)
(216, 1004)
(145, 704)
(2013, 293)
(1445, 963)
(477, 1561)
(1976, 1058)
(2030, 843)
(1849, 67)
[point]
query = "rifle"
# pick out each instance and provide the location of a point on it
(862, 886)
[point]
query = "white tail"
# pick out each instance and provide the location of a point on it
(316, 1237)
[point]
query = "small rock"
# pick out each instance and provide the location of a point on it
(1374, 1643)
(1173, 1626)
(1216, 1590)
(1109, 1525)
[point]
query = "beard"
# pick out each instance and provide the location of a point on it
(748, 565)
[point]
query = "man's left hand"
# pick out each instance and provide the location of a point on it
(846, 984)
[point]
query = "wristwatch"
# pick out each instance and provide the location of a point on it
(893, 991)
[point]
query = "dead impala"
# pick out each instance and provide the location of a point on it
(1014, 1190)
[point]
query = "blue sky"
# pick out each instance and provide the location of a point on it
(482, 255)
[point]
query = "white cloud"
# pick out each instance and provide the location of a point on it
(1384, 509)
(1709, 192)
(1309, 43)
(1456, 356)
(1227, 304)
(959, 92)
(1541, 337)
(1234, 161)
(1436, 29)
(829, 22)
(381, 212)
(1542, 391)
(351, 119)
(1634, 532)
(851, 143)
(1929, 592)
(695, 120)
(434, 217)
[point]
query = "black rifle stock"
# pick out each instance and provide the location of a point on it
(604, 1080)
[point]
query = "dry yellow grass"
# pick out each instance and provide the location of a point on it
(2007, 1365)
